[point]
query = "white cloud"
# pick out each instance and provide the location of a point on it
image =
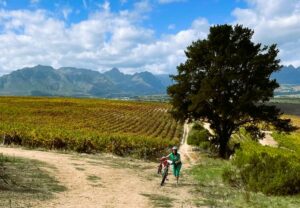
(143, 6)
(102, 41)
(106, 6)
(274, 21)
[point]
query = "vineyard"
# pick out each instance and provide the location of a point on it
(142, 129)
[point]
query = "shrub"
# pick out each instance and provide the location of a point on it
(231, 176)
(199, 137)
(198, 126)
(290, 141)
(264, 169)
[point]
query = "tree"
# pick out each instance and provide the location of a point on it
(226, 81)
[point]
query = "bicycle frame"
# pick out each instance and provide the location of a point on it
(163, 169)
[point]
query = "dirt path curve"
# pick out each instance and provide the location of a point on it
(120, 182)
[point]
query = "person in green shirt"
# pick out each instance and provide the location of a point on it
(174, 156)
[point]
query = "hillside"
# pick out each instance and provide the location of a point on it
(68, 81)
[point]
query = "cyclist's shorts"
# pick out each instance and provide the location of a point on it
(176, 169)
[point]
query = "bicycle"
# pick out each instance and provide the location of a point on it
(163, 168)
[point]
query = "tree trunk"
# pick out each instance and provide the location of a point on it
(224, 150)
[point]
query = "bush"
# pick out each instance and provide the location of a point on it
(264, 169)
(199, 137)
(198, 126)
(232, 176)
(289, 141)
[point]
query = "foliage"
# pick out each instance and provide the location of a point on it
(289, 141)
(226, 80)
(199, 137)
(140, 129)
(270, 170)
(211, 191)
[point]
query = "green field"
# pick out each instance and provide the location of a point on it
(142, 129)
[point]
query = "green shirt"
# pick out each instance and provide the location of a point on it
(174, 157)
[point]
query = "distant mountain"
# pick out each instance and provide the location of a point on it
(143, 83)
(68, 81)
(289, 79)
(165, 79)
(288, 75)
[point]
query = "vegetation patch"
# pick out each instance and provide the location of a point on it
(93, 178)
(80, 169)
(199, 137)
(159, 200)
(265, 169)
(23, 181)
(211, 191)
(289, 141)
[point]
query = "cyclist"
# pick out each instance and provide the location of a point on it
(174, 156)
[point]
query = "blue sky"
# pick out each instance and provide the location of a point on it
(133, 35)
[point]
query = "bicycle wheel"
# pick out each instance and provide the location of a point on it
(164, 176)
(159, 169)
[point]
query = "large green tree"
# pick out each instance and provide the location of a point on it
(226, 81)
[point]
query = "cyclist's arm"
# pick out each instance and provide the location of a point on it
(168, 156)
(179, 160)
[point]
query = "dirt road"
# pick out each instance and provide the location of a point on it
(188, 156)
(108, 181)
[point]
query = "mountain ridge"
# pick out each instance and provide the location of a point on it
(43, 80)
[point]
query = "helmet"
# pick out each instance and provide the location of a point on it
(174, 148)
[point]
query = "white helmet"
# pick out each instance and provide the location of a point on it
(174, 148)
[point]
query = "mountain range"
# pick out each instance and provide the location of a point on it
(75, 82)
(68, 81)
(288, 75)
(289, 79)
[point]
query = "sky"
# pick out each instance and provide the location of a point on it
(134, 36)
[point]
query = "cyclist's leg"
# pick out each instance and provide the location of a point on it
(174, 168)
(177, 171)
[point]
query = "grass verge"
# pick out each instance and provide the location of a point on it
(24, 182)
(159, 200)
(212, 192)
